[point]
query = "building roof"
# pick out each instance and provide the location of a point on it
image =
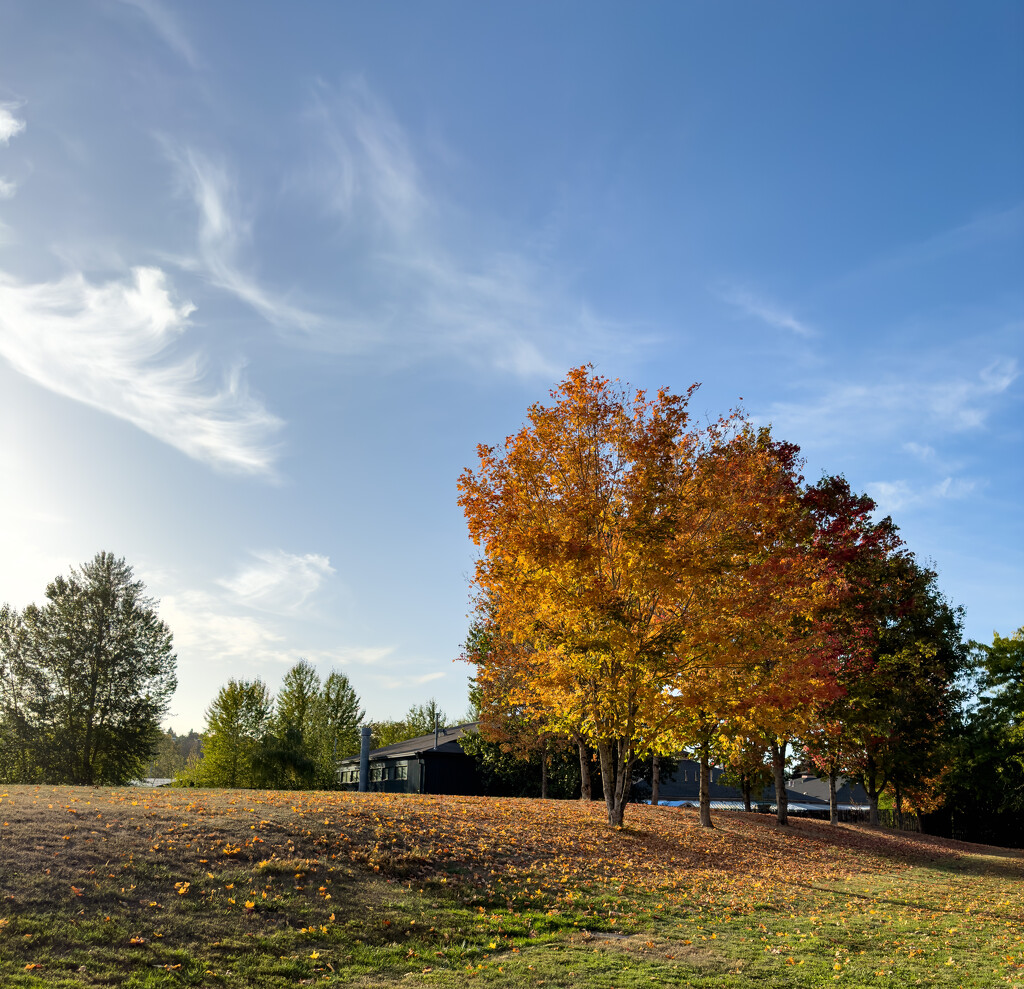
(447, 744)
(813, 787)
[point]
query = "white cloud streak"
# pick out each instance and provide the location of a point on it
(109, 346)
(222, 232)
(211, 635)
(845, 413)
(10, 125)
(418, 291)
(279, 582)
(165, 25)
(980, 231)
(394, 682)
(891, 496)
(768, 312)
(371, 162)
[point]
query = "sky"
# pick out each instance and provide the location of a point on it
(270, 272)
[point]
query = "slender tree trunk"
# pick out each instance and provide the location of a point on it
(586, 791)
(871, 785)
(705, 786)
(745, 784)
(604, 754)
(544, 773)
(655, 773)
(898, 794)
(833, 799)
(779, 765)
(616, 763)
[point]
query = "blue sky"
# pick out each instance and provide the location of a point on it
(269, 273)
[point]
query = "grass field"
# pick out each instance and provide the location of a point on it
(139, 888)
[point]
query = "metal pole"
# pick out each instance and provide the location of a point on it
(364, 759)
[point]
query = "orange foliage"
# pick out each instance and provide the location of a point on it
(654, 571)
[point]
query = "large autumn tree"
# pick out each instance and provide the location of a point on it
(641, 558)
(861, 551)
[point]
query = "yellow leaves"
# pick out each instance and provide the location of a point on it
(182, 888)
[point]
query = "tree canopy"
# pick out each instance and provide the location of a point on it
(293, 741)
(649, 564)
(84, 678)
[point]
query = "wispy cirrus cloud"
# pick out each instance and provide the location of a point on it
(212, 635)
(891, 496)
(768, 312)
(899, 405)
(221, 234)
(370, 164)
(396, 682)
(10, 125)
(167, 27)
(418, 288)
(278, 581)
(980, 231)
(110, 346)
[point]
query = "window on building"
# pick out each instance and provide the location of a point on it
(377, 774)
(402, 771)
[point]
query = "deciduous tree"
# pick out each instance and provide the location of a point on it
(903, 709)
(621, 543)
(236, 722)
(87, 676)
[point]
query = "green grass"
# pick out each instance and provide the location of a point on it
(78, 910)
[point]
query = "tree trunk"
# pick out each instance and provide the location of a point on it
(871, 785)
(779, 765)
(745, 784)
(833, 800)
(544, 773)
(616, 762)
(586, 791)
(898, 794)
(705, 786)
(655, 773)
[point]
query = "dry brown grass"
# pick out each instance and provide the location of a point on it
(92, 880)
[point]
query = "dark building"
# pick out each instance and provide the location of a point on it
(433, 763)
(805, 793)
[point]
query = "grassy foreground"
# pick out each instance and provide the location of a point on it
(139, 888)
